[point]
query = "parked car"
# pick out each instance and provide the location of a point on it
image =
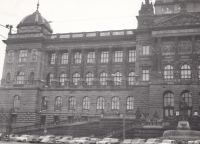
(152, 141)
(196, 142)
(47, 138)
(33, 138)
(114, 141)
(138, 141)
(73, 140)
(127, 141)
(1, 136)
(64, 140)
(53, 140)
(83, 140)
(191, 142)
(13, 137)
(104, 141)
(23, 138)
(39, 139)
(94, 140)
(168, 142)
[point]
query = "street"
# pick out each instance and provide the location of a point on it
(3, 142)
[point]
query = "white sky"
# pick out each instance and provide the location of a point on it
(71, 15)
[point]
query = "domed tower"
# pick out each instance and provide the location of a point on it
(23, 67)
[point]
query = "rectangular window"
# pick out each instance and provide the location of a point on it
(118, 56)
(145, 50)
(64, 58)
(145, 75)
(53, 58)
(132, 56)
(77, 57)
(104, 56)
(91, 57)
(23, 54)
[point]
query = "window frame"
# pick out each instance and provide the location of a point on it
(75, 78)
(131, 78)
(168, 104)
(100, 103)
(58, 103)
(104, 57)
(16, 102)
(168, 73)
(20, 77)
(44, 103)
(103, 78)
(118, 56)
(186, 72)
(72, 103)
(130, 103)
(90, 57)
(23, 55)
(62, 79)
(117, 78)
(89, 78)
(145, 50)
(53, 58)
(115, 103)
(145, 75)
(77, 58)
(64, 58)
(131, 55)
(86, 103)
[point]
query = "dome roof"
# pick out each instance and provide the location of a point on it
(35, 19)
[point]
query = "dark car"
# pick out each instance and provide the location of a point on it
(33, 138)
(39, 139)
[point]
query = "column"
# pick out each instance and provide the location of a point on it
(124, 67)
(82, 72)
(176, 60)
(68, 82)
(96, 66)
(55, 82)
(110, 62)
(159, 56)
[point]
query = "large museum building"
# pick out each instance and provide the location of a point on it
(104, 73)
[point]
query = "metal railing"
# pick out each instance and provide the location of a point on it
(53, 124)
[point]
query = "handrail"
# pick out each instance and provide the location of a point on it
(49, 125)
(118, 130)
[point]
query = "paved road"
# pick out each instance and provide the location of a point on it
(14, 143)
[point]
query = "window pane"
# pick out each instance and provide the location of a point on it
(132, 55)
(89, 78)
(63, 78)
(100, 103)
(104, 56)
(91, 57)
(117, 78)
(103, 78)
(118, 56)
(76, 78)
(23, 54)
(145, 50)
(64, 58)
(145, 75)
(77, 58)
(185, 72)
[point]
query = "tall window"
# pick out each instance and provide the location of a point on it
(118, 56)
(103, 78)
(64, 58)
(8, 78)
(52, 58)
(31, 78)
(185, 72)
(23, 54)
(118, 78)
(91, 57)
(77, 57)
(199, 71)
(100, 103)
(168, 72)
(89, 78)
(130, 103)
(131, 78)
(86, 103)
(76, 78)
(58, 103)
(16, 102)
(49, 79)
(63, 78)
(187, 97)
(104, 56)
(168, 104)
(132, 56)
(145, 50)
(115, 103)
(145, 75)
(72, 103)
(20, 77)
(44, 103)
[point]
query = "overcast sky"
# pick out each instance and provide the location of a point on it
(70, 15)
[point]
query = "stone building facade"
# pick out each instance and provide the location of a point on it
(106, 73)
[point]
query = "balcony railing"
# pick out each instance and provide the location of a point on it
(24, 83)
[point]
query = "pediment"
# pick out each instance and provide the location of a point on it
(179, 20)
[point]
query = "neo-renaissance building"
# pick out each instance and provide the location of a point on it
(105, 73)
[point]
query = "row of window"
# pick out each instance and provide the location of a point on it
(77, 58)
(72, 103)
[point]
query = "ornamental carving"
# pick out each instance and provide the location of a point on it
(186, 61)
(146, 8)
(167, 48)
(10, 55)
(185, 47)
(197, 47)
(172, 63)
(34, 55)
(181, 19)
(20, 68)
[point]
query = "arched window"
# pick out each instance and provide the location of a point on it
(58, 103)
(20, 77)
(8, 77)
(131, 78)
(103, 78)
(89, 78)
(185, 72)
(31, 78)
(199, 71)
(86, 103)
(117, 78)
(168, 72)
(130, 103)
(72, 103)
(64, 58)
(49, 79)
(16, 102)
(76, 78)
(168, 104)
(187, 98)
(44, 103)
(100, 103)
(63, 78)
(115, 103)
